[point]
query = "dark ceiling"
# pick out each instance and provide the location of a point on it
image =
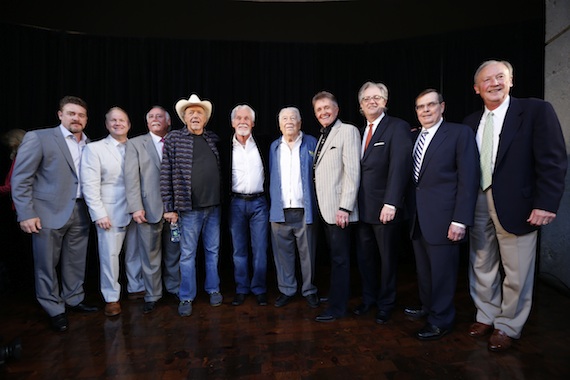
(355, 21)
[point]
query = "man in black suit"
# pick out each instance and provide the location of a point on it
(446, 176)
(385, 167)
(523, 166)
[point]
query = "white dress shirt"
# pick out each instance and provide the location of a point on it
(290, 165)
(498, 119)
(247, 167)
(76, 149)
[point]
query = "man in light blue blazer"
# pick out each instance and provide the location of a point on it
(102, 179)
(50, 206)
(142, 181)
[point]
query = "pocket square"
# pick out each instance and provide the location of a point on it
(379, 143)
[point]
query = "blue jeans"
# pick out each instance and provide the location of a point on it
(206, 222)
(249, 224)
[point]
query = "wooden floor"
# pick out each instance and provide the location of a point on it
(253, 342)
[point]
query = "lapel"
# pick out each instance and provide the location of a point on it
(434, 145)
(329, 139)
(148, 145)
(380, 130)
(60, 141)
(510, 128)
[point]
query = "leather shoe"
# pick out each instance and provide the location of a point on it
(362, 309)
(136, 295)
(499, 341)
(83, 308)
(325, 318)
(261, 299)
(313, 300)
(149, 307)
(415, 312)
(112, 309)
(382, 317)
(479, 329)
(239, 299)
(324, 299)
(282, 300)
(431, 332)
(59, 322)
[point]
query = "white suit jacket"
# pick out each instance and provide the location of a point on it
(103, 182)
(337, 172)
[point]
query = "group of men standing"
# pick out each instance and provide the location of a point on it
(494, 179)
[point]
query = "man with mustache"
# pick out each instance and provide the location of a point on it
(49, 202)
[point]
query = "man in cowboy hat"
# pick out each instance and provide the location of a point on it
(191, 192)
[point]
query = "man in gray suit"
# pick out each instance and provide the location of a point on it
(50, 206)
(337, 176)
(102, 179)
(142, 182)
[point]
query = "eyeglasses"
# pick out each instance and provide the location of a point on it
(377, 98)
(428, 106)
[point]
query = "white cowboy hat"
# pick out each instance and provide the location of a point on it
(193, 100)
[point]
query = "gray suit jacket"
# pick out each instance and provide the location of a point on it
(44, 181)
(103, 182)
(142, 178)
(337, 172)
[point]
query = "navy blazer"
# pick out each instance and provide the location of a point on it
(531, 163)
(385, 170)
(448, 183)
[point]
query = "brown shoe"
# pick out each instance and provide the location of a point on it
(136, 295)
(112, 309)
(479, 329)
(499, 341)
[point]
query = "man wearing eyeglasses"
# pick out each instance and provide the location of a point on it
(446, 176)
(385, 167)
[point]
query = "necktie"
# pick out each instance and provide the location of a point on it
(368, 136)
(418, 153)
(487, 153)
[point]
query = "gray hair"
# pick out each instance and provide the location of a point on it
(492, 62)
(240, 107)
(293, 109)
(381, 86)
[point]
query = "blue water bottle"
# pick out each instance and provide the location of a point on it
(174, 233)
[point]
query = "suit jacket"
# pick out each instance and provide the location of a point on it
(448, 183)
(385, 170)
(337, 172)
(103, 182)
(142, 178)
(531, 163)
(44, 181)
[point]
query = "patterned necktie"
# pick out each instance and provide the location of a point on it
(368, 136)
(418, 153)
(487, 153)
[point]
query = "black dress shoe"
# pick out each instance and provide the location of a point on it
(325, 318)
(282, 300)
(324, 299)
(239, 299)
(59, 322)
(415, 312)
(149, 307)
(362, 309)
(313, 300)
(382, 317)
(431, 332)
(261, 299)
(83, 308)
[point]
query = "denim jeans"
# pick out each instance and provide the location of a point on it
(249, 224)
(206, 222)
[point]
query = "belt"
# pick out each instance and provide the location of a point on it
(248, 197)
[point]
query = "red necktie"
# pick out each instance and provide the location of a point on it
(368, 136)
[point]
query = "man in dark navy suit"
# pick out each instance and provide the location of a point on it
(523, 166)
(385, 167)
(446, 176)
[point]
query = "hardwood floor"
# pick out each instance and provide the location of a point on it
(265, 342)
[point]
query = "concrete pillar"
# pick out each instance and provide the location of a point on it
(555, 239)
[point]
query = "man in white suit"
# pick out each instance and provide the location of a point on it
(102, 178)
(142, 182)
(50, 206)
(337, 176)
